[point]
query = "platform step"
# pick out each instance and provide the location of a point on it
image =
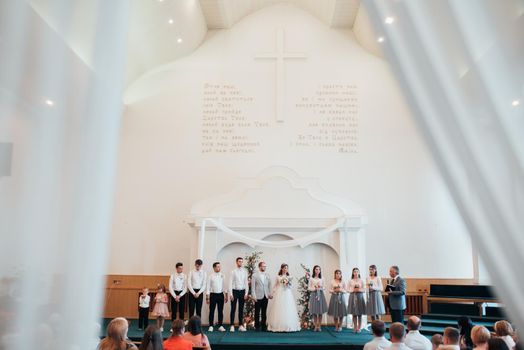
(436, 316)
(453, 323)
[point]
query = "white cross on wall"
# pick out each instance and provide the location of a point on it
(280, 55)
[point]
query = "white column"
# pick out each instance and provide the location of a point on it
(356, 256)
(201, 240)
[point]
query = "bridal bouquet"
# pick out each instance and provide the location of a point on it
(286, 281)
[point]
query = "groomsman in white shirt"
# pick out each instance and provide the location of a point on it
(196, 284)
(177, 289)
(238, 292)
(216, 297)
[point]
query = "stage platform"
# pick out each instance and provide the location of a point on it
(252, 340)
(327, 339)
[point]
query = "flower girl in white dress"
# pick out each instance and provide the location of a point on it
(283, 315)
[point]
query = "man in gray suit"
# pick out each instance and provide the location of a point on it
(261, 292)
(396, 289)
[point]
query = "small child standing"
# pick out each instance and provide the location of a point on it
(160, 310)
(143, 309)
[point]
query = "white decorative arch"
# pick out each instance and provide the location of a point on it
(279, 201)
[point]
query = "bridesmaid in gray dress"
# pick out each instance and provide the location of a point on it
(357, 303)
(337, 305)
(375, 305)
(317, 300)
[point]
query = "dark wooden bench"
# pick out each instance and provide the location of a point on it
(461, 299)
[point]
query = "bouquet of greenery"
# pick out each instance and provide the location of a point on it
(303, 300)
(250, 264)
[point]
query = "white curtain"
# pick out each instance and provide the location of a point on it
(60, 109)
(461, 66)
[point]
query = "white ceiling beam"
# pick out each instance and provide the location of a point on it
(344, 13)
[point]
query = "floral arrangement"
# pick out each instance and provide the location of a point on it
(250, 264)
(303, 300)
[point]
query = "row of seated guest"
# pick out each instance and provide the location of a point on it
(452, 339)
(193, 337)
(180, 339)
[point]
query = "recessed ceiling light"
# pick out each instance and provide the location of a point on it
(179, 40)
(380, 39)
(389, 20)
(170, 21)
(515, 103)
(49, 102)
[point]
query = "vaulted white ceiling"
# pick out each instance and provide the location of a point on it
(161, 31)
(152, 40)
(222, 14)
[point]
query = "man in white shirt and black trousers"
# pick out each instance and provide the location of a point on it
(196, 284)
(216, 296)
(177, 289)
(238, 292)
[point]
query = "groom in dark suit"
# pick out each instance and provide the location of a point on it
(261, 292)
(396, 289)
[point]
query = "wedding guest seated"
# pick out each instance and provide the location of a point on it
(379, 342)
(496, 343)
(465, 325)
(451, 339)
(480, 336)
(176, 340)
(117, 336)
(414, 339)
(436, 341)
(504, 331)
(397, 334)
(152, 339)
(194, 333)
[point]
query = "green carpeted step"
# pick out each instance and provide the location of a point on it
(455, 317)
(452, 323)
(305, 338)
(326, 337)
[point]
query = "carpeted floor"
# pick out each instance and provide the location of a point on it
(327, 339)
(252, 340)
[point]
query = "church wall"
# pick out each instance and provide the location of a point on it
(167, 161)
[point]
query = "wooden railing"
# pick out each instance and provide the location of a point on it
(121, 293)
(416, 303)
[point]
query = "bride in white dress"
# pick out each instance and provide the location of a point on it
(283, 315)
